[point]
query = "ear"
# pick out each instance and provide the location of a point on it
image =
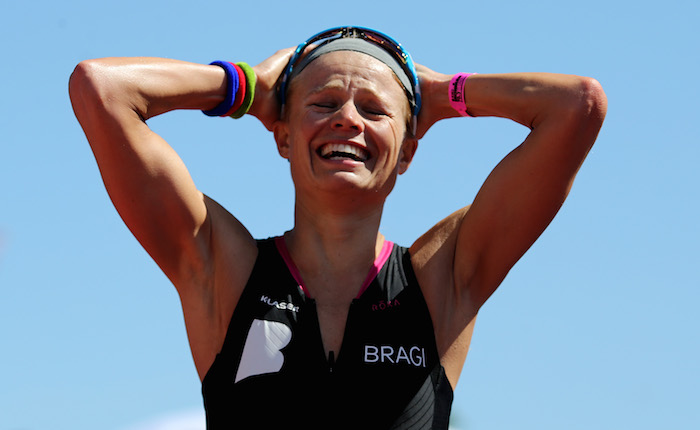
(408, 150)
(281, 133)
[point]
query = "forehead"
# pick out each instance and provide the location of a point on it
(349, 69)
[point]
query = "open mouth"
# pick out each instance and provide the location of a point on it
(341, 151)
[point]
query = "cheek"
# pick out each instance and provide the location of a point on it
(396, 131)
(301, 128)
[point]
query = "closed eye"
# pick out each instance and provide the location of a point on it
(324, 105)
(375, 111)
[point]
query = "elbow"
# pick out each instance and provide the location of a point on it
(591, 102)
(590, 107)
(573, 104)
(79, 76)
(98, 91)
(96, 83)
(80, 79)
(579, 110)
(96, 95)
(83, 87)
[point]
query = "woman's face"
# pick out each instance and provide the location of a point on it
(345, 125)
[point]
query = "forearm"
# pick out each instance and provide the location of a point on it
(148, 86)
(526, 189)
(527, 98)
(533, 98)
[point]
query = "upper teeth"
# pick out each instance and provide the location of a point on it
(343, 148)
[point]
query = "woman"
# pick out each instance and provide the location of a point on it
(331, 324)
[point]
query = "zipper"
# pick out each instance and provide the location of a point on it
(331, 361)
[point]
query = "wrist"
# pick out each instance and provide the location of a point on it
(231, 92)
(239, 90)
(457, 95)
(435, 93)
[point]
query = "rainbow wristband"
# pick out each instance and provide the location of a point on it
(240, 94)
(231, 89)
(249, 91)
(456, 93)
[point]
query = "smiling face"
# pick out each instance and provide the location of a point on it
(345, 126)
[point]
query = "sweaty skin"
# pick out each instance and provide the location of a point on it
(341, 99)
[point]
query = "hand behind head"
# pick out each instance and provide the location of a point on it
(265, 105)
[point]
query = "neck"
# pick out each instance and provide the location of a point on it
(334, 244)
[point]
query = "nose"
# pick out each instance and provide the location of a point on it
(348, 117)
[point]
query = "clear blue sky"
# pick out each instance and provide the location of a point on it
(596, 327)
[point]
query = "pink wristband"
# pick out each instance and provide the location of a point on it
(456, 93)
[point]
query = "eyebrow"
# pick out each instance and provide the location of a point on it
(332, 85)
(335, 85)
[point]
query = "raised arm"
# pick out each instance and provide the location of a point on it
(187, 234)
(479, 244)
(201, 247)
(146, 180)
